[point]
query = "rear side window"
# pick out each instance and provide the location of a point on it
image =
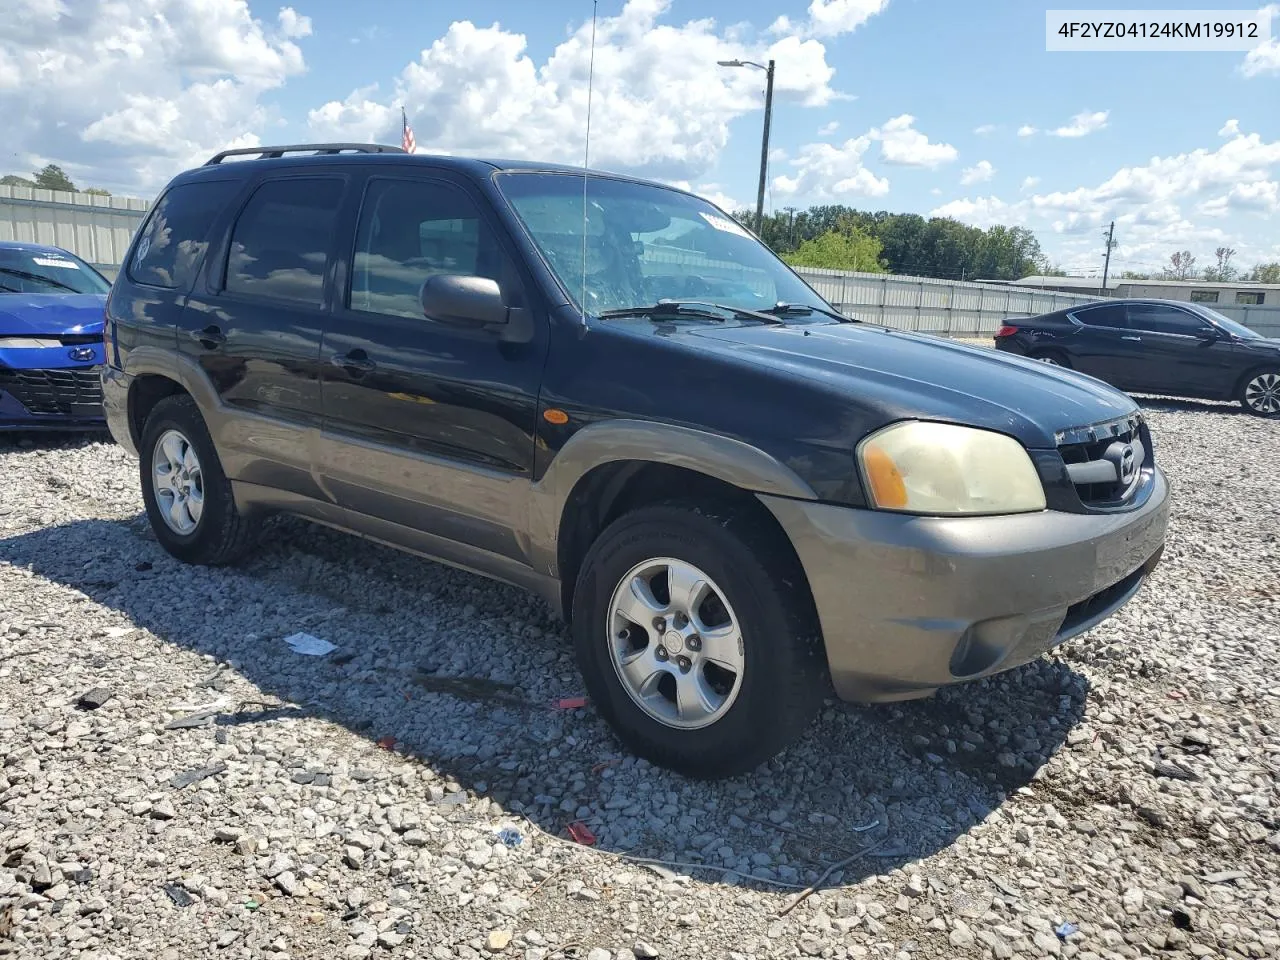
(280, 244)
(1155, 318)
(1111, 315)
(175, 236)
(411, 230)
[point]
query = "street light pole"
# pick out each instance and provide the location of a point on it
(768, 119)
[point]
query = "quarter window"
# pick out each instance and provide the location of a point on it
(280, 244)
(412, 230)
(1156, 318)
(174, 239)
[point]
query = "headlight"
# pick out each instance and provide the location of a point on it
(940, 468)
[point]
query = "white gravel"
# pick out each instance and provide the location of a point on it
(1126, 785)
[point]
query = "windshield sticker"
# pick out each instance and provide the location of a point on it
(724, 224)
(50, 262)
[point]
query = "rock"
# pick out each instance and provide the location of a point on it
(227, 834)
(353, 857)
(916, 886)
(287, 883)
(247, 845)
(95, 698)
(42, 876)
(598, 953)
(1225, 876)
(1133, 900)
(498, 941)
(163, 811)
(1192, 887)
(390, 939)
(1047, 943)
(415, 838)
(644, 950)
(961, 937)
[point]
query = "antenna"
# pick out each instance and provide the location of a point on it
(586, 160)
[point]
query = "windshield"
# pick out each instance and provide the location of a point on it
(47, 271)
(645, 243)
(1229, 325)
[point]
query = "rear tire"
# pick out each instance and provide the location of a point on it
(712, 707)
(1054, 358)
(187, 496)
(1260, 393)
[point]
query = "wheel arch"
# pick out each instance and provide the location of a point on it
(1251, 372)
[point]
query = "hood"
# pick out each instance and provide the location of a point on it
(903, 376)
(46, 314)
(1268, 345)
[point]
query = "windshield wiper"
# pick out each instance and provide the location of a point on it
(39, 278)
(783, 309)
(690, 308)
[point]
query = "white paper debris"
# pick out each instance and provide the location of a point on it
(309, 646)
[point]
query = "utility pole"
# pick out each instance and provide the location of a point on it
(764, 148)
(1106, 268)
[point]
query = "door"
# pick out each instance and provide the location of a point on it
(255, 326)
(1178, 353)
(1102, 344)
(429, 424)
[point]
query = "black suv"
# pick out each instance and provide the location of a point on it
(1156, 346)
(610, 393)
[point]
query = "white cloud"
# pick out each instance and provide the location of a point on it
(1029, 183)
(476, 90)
(981, 212)
(985, 129)
(902, 144)
(1261, 197)
(1230, 129)
(1083, 124)
(1265, 58)
(126, 94)
(978, 173)
(1026, 130)
(829, 128)
(826, 171)
(831, 18)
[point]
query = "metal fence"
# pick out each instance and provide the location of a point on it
(958, 309)
(96, 229)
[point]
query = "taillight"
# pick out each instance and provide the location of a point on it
(1006, 331)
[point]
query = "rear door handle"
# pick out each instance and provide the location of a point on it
(210, 336)
(356, 362)
(1135, 339)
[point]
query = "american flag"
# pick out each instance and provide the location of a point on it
(406, 137)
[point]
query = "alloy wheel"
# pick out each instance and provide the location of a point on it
(1262, 393)
(178, 482)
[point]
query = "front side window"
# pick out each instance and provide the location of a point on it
(175, 236)
(411, 230)
(280, 244)
(644, 243)
(26, 270)
(1156, 318)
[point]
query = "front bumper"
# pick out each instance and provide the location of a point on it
(53, 398)
(115, 405)
(910, 604)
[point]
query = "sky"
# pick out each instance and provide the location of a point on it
(936, 107)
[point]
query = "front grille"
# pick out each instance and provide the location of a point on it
(74, 392)
(1105, 461)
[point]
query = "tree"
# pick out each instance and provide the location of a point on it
(1182, 266)
(1134, 275)
(52, 177)
(1222, 271)
(11, 180)
(97, 191)
(848, 247)
(1266, 272)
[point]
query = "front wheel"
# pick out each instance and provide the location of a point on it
(697, 638)
(1260, 393)
(1055, 358)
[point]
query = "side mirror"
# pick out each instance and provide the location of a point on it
(1212, 334)
(475, 301)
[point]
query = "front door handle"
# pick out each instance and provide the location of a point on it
(356, 362)
(1134, 339)
(210, 337)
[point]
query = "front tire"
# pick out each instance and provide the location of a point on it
(1260, 393)
(697, 638)
(188, 498)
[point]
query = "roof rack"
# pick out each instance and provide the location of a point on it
(267, 153)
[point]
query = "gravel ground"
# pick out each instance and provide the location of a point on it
(232, 798)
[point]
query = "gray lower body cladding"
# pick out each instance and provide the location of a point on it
(910, 604)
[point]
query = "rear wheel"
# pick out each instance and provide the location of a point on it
(697, 639)
(187, 496)
(1055, 358)
(1260, 393)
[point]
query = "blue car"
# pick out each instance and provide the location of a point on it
(51, 310)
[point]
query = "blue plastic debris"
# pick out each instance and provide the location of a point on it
(510, 836)
(1066, 930)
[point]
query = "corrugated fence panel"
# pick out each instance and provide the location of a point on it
(96, 229)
